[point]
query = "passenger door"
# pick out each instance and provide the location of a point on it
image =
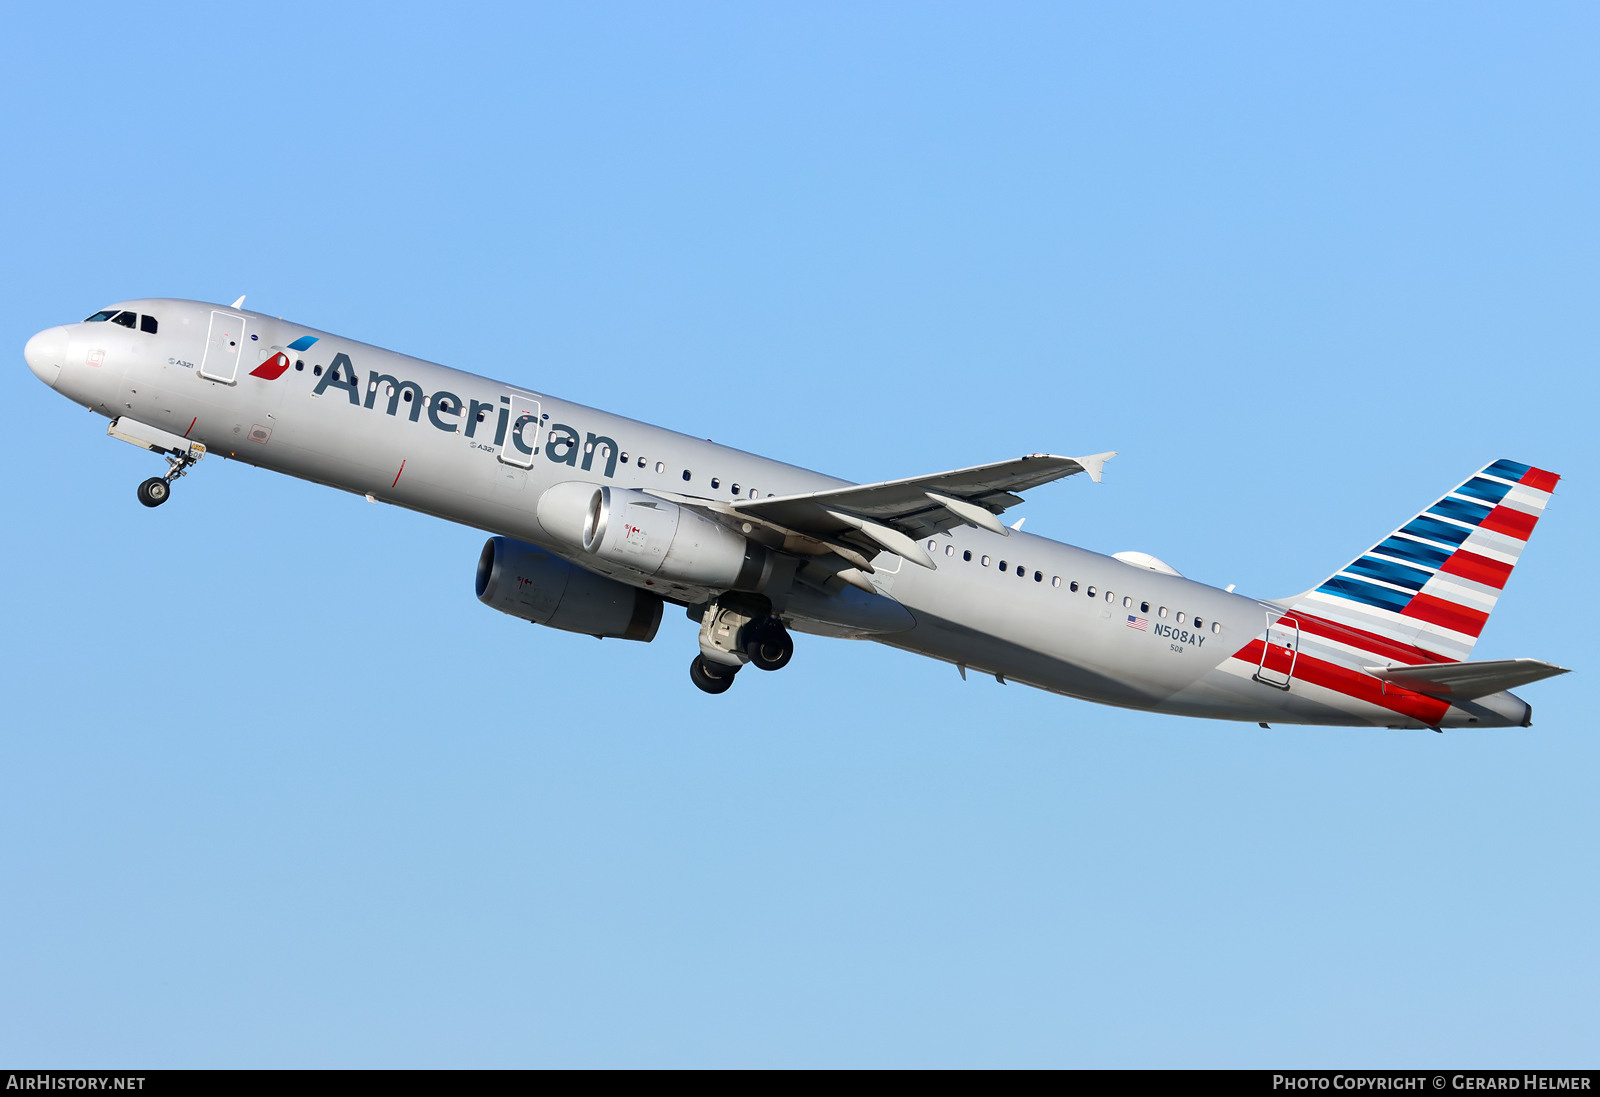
(524, 425)
(224, 346)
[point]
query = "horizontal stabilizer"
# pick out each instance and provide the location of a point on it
(1466, 681)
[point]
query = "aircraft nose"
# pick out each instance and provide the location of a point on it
(45, 354)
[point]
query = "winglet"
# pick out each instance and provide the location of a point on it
(1095, 464)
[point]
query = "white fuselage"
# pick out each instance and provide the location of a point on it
(440, 441)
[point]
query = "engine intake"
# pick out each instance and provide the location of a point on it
(653, 537)
(528, 582)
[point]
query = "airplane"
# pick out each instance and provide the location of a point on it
(599, 521)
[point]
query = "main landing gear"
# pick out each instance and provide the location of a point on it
(711, 677)
(734, 630)
(770, 647)
(158, 489)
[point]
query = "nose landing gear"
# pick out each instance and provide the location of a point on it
(181, 453)
(158, 489)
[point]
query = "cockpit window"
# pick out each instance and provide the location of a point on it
(126, 319)
(103, 314)
(147, 324)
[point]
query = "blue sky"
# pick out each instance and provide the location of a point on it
(280, 792)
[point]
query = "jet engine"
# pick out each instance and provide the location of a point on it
(528, 582)
(637, 531)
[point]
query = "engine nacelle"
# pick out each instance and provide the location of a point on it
(637, 531)
(528, 582)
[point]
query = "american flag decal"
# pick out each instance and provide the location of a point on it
(1140, 623)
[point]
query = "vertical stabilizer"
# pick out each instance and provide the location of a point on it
(1432, 583)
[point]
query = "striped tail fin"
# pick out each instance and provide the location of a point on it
(1432, 583)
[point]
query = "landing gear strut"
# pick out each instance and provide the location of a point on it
(734, 630)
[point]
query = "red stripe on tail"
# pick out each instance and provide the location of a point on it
(1514, 523)
(1386, 650)
(1479, 569)
(1436, 611)
(1540, 480)
(1359, 685)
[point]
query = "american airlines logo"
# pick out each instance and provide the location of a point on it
(274, 367)
(562, 444)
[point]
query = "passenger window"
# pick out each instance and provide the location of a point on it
(316, 371)
(986, 560)
(1180, 617)
(1055, 580)
(1199, 623)
(1038, 577)
(736, 489)
(622, 458)
(685, 476)
(406, 396)
(105, 314)
(716, 482)
(1110, 597)
(1216, 629)
(753, 493)
(147, 324)
(1127, 603)
(1162, 612)
(932, 545)
(949, 550)
(661, 466)
(1090, 592)
(126, 319)
(1144, 607)
(1073, 587)
(967, 555)
(641, 462)
(1003, 566)
(299, 364)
